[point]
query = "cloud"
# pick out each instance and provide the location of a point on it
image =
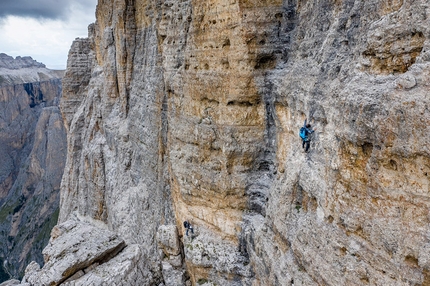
(46, 40)
(40, 9)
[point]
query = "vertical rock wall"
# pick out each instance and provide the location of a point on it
(354, 210)
(115, 172)
(190, 110)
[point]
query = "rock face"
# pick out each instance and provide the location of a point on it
(32, 155)
(173, 263)
(73, 247)
(190, 110)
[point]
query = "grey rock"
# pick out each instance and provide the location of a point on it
(175, 261)
(172, 276)
(75, 276)
(79, 65)
(209, 251)
(424, 256)
(10, 282)
(172, 264)
(123, 269)
(407, 81)
(167, 238)
(73, 247)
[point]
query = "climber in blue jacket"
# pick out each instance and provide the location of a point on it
(188, 227)
(305, 132)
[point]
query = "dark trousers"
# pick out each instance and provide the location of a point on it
(307, 143)
(190, 228)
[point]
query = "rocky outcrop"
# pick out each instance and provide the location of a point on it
(190, 110)
(172, 264)
(33, 150)
(74, 247)
(11, 282)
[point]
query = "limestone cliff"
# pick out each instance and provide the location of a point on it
(190, 110)
(32, 155)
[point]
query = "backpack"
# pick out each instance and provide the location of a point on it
(186, 224)
(302, 133)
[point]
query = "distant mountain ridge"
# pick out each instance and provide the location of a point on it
(23, 70)
(9, 62)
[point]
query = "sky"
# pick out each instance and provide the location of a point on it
(44, 29)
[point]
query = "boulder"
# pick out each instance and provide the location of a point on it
(167, 238)
(123, 269)
(173, 276)
(74, 246)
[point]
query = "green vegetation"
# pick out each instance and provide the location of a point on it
(202, 281)
(46, 227)
(7, 210)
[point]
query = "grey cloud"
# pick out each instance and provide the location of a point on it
(40, 9)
